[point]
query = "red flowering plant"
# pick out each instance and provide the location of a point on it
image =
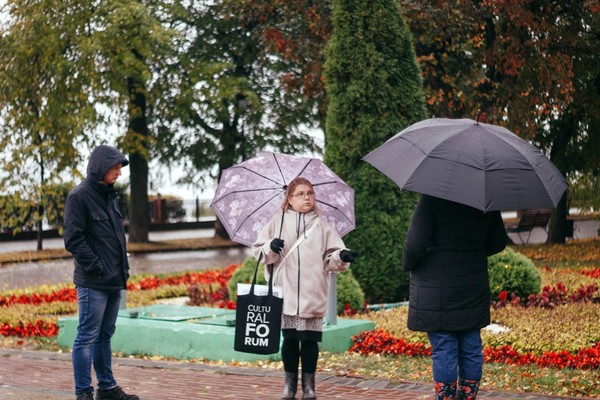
(550, 297)
(585, 358)
(67, 294)
(593, 273)
(39, 328)
(201, 295)
(381, 342)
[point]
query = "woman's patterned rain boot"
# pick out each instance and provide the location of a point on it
(467, 389)
(445, 391)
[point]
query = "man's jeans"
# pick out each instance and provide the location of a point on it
(456, 354)
(98, 312)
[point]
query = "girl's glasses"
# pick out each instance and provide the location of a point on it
(301, 195)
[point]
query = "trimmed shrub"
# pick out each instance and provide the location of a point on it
(514, 273)
(244, 274)
(348, 289)
(374, 88)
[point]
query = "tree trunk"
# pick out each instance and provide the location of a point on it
(139, 212)
(561, 132)
(557, 227)
(40, 232)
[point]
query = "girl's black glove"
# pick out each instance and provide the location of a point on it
(348, 256)
(276, 245)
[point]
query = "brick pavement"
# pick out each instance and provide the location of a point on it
(33, 375)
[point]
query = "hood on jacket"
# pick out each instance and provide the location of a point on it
(103, 158)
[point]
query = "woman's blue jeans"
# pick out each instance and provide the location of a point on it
(456, 355)
(98, 312)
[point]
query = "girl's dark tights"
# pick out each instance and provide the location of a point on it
(293, 350)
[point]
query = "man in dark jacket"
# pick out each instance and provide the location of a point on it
(446, 252)
(94, 234)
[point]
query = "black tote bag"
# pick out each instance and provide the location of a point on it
(258, 320)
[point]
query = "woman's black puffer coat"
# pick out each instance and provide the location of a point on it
(446, 252)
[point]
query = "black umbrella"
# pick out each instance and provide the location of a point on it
(481, 165)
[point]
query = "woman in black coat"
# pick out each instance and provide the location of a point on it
(446, 252)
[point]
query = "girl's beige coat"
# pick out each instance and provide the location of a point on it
(304, 274)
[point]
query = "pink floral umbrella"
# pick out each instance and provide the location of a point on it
(250, 193)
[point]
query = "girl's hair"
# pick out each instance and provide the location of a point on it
(290, 191)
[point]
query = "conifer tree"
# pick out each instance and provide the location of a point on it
(374, 88)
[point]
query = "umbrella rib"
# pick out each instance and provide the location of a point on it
(279, 168)
(261, 175)
(256, 210)
(335, 208)
(329, 183)
(303, 168)
(247, 190)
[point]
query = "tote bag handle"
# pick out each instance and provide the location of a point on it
(270, 293)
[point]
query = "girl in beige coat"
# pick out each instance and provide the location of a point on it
(304, 276)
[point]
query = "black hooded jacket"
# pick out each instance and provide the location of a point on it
(93, 229)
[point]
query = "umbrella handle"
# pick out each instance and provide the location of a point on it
(281, 226)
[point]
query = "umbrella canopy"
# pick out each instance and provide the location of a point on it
(250, 193)
(481, 165)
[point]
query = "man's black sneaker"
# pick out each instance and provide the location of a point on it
(86, 396)
(115, 393)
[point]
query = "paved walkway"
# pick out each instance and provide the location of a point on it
(32, 375)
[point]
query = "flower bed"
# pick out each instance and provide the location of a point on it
(39, 328)
(34, 314)
(550, 349)
(527, 341)
(381, 342)
(19, 310)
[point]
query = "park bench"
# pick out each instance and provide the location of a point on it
(528, 220)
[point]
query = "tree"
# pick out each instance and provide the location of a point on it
(131, 44)
(231, 97)
(573, 136)
(520, 66)
(86, 56)
(374, 88)
(295, 32)
(43, 108)
(494, 57)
